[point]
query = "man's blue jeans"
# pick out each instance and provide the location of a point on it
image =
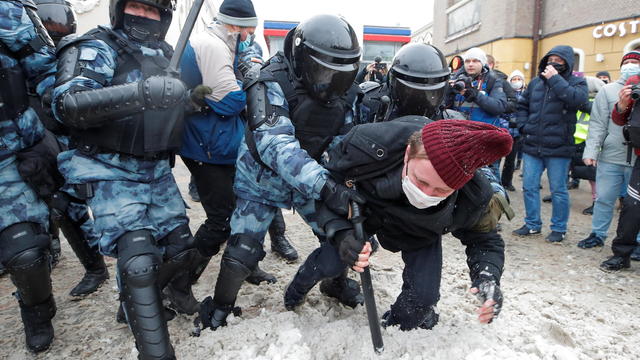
(557, 172)
(611, 181)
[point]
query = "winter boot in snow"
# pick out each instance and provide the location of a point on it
(279, 243)
(258, 276)
(346, 290)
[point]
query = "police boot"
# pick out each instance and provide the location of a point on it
(37, 324)
(279, 243)
(346, 290)
(430, 320)
(258, 276)
(96, 272)
(241, 255)
(299, 287)
(24, 250)
(138, 267)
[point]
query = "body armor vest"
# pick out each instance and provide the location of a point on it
(315, 123)
(152, 134)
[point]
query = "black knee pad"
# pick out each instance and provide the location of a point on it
(177, 241)
(25, 254)
(20, 237)
(138, 259)
(245, 250)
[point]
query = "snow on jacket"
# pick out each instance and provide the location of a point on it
(213, 136)
(547, 110)
(605, 139)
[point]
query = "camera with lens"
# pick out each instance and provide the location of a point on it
(461, 82)
(635, 92)
(380, 66)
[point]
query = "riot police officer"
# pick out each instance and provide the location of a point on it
(27, 58)
(297, 104)
(67, 213)
(416, 86)
(125, 116)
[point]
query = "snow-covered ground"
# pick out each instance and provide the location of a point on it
(558, 305)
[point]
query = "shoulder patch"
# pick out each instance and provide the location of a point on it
(88, 54)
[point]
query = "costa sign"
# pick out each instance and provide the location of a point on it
(622, 29)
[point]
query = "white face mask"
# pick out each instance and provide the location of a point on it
(628, 70)
(416, 197)
(517, 85)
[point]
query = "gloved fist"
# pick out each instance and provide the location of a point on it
(352, 252)
(470, 93)
(199, 93)
(338, 197)
(488, 292)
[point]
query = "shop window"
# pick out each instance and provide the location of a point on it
(462, 17)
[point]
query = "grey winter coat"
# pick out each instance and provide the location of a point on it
(605, 139)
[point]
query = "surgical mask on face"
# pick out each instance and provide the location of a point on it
(245, 44)
(517, 85)
(416, 197)
(628, 70)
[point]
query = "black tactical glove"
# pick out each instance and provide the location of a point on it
(337, 197)
(348, 246)
(198, 94)
(470, 93)
(488, 289)
(38, 166)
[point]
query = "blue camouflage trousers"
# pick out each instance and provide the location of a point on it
(124, 206)
(18, 203)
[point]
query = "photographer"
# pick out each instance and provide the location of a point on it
(477, 92)
(376, 71)
(627, 113)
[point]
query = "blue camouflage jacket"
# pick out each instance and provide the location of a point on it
(296, 173)
(16, 31)
(79, 168)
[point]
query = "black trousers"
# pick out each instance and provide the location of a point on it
(510, 162)
(215, 187)
(629, 222)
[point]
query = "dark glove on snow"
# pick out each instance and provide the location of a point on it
(488, 289)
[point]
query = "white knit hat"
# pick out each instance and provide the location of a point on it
(476, 53)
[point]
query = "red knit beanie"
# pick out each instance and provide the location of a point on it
(457, 148)
(633, 54)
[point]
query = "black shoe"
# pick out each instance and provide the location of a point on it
(281, 246)
(429, 322)
(546, 199)
(258, 276)
(91, 281)
(346, 290)
(589, 210)
(180, 301)
(525, 231)
(635, 255)
(293, 296)
(592, 241)
(573, 184)
(37, 324)
(555, 237)
(509, 188)
(615, 263)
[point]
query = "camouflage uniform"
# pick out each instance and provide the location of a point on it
(129, 193)
(18, 202)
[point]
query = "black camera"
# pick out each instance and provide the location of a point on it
(461, 82)
(635, 92)
(381, 66)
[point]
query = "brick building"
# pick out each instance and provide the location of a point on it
(600, 31)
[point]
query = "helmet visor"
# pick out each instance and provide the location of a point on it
(59, 20)
(328, 81)
(417, 98)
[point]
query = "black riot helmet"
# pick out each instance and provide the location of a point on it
(325, 55)
(57, 17)
(418, 79)
(138, 28)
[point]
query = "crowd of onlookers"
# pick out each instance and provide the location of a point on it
(561, 122)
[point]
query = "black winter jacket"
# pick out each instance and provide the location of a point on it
(547, 109)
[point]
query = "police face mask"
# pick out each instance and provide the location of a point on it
(415, 196)
(142, 29)
(628, 70)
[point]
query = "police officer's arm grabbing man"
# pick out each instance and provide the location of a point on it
(415, 193)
